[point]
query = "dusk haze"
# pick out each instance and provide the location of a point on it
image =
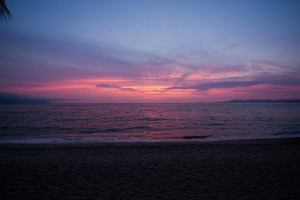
(149, 99)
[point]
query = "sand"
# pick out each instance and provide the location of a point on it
(252, 169)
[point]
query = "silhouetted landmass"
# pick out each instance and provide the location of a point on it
(8, 98)
(263, 101)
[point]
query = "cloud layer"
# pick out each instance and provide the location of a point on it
(85, 72)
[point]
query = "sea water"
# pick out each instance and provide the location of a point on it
(69, 123)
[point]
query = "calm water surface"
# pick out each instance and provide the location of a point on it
(146, 122)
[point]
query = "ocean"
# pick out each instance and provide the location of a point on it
(88, 123)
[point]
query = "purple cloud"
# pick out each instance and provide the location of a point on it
(49, 59)
(115, 86)
(207, 86)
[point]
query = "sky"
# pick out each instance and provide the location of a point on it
(151, 51)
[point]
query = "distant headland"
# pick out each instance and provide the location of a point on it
(263, 101)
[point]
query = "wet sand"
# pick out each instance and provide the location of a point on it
(251, 169)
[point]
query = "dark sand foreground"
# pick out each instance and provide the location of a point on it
(256, 169)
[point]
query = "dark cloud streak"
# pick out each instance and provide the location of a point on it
(115, 86)
(207, 86)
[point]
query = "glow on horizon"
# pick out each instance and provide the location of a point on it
(151, 51)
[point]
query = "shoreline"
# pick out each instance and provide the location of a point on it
(96, 140)
(187, 141)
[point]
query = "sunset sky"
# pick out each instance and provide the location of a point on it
(151, 50)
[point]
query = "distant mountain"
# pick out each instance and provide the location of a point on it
(8, 98)
(263, 101)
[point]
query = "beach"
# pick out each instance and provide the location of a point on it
(240, 169)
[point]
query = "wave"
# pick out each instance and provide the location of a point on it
(192, 137)
(109, 130)
(151, 119)
(287, 133)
